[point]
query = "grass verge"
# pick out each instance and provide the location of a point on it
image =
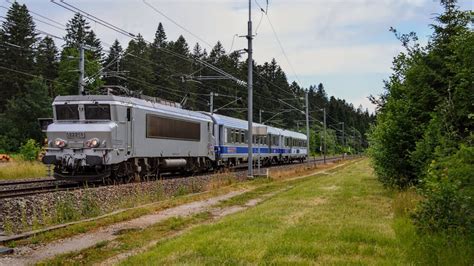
(136, 239)
(426, 248)
(340, 218)
(344, 218)
(22, 169)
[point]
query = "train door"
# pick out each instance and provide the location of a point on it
(270, 143)
(211, 140)
(129, 139)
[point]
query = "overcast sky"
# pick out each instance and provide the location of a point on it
(344, 44)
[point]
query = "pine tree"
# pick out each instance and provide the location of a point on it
(198, 53)
(17, 41)
(137, 62)
(47, 63)
(160, 68)
(19, 122)
(160, 37)
(78, 31)
(178, 67)
(216, 53)
(112, 64)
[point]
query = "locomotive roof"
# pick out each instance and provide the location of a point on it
(136, 102)
(243, 124)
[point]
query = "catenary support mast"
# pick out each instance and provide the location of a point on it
(250, 94)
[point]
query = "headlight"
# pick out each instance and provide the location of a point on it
(93, 143)
(60, 143)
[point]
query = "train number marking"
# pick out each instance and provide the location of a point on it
(75, 135)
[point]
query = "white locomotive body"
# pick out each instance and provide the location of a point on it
(96, 137)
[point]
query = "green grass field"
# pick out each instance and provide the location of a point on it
(19, 169)
(345, 217)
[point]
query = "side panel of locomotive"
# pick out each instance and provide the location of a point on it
(168, 132)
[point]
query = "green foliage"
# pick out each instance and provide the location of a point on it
(30, 150)
(19, 121)
(68, 75)
(140, 71)
(423, 131)
(19, 30)
(47, 63)
(78, 31)
(112, 64)
(449, 190)
(65, 210)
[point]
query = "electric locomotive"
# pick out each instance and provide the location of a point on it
(121, 138)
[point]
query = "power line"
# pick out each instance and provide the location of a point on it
(31, 75)
(92, 17)
(128, 34)
(281, 46)
(175, 23)
(61, 26)
(39, 15)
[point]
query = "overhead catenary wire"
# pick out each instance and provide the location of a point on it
(42, 16)
(39, 20)
(175, 23)
(131, 35)
(31, 75)
(282, 49)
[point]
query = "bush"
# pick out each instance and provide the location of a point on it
(448, 190)
(30, 150)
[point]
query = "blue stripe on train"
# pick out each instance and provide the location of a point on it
(236, 150)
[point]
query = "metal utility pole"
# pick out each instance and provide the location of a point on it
(325, 135)
(211, 103)
(307, 124)
(260, 111)
(81, 69)
(343, 142)
(250, 94)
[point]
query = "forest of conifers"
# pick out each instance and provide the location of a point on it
(33, 70)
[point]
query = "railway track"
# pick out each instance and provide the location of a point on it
(26, 188)
(15, 189)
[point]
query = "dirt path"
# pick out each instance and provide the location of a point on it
(29, 255)
(217, 213)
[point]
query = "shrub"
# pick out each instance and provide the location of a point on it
(448, 190)
(30, 150)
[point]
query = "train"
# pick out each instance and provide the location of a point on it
(123, 138)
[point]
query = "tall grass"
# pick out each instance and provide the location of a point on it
(21, 169)
(425, 248)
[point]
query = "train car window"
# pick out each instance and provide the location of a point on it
(67, 112)
(97, 111)
(232, 136)
(129, 115)
(243, 136)
(229, 135)
(168, 128)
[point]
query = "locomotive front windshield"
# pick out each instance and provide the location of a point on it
(97, 111)
(67, 112)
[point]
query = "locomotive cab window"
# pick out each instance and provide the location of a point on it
(97, 111)
(67, 112)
